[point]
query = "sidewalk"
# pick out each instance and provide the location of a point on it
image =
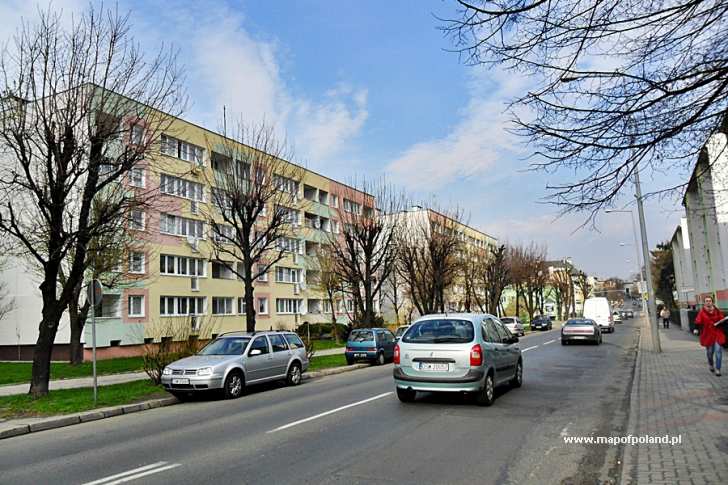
(15, 389)
(322, 353)
(674, 394)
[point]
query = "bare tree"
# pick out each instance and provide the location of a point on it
(519, 272)
(560, 282)
(364, 251)
(82, 107)
(394, 292)
(255, 193)
(536, 276)
(619, 85)
(496, 277)
(428, 257)
(329, 283)
(7, 302)
(582, 281)
(473, 264)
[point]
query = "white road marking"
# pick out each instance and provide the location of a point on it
(130, 475)
(549, 342)
(529, 348)
(332, 411)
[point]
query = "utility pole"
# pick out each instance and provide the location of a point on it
(651, 307)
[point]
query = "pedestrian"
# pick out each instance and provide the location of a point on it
(711, 337)
(665, 315)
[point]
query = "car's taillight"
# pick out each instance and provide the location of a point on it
(349, 349)
(372, 349)
(476, 356)
(396, 354)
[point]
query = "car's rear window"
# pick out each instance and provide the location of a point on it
(507, 320)
(444, 331)
(361, 336)
(226, 346)
(400, 331)
(579, 322)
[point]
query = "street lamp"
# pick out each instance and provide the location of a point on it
(651, 307)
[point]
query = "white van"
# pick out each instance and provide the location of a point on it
(598, 309)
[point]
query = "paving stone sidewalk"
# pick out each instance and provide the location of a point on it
(674, 394)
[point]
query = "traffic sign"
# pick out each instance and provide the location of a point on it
(94, 292)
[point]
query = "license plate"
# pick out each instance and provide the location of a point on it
(434, 367)
(180, 381)
(580, 337)
(360, 355)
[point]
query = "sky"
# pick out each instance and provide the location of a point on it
(372, 89)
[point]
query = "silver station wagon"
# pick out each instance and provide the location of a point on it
(471, 353)
(238, 359)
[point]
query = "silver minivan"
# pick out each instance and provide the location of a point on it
(467, 353)
(238, 359)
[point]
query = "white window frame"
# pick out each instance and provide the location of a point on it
(133, 224)
(143, 262)
(242, 310)
(292, 306)
(228, 304)
(176, 304)
(285, 274)
(130, 306)
(136, 134)
(142, 177)
(264, 300)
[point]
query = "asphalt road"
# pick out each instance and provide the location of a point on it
(351, 428)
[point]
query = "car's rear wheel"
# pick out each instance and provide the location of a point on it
(234, 385)
(293, 378)
(564, 342)
(486, 395)
(406, 395)
(380, 358)
(181, 396)
(517, 380)
(349, 361)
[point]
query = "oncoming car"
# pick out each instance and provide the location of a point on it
(465, 353)
(581, 330)
(235, 360)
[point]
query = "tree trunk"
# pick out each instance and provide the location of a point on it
(42, 354)
(249, 302)
(77, 317)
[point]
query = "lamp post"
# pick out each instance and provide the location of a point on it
(645, 277)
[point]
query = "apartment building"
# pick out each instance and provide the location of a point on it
(171, 276)
(473, 240)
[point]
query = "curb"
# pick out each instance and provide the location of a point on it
(625, 476)
(95, 415)
(86, 416)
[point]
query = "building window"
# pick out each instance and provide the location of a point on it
(137, 134)
(287, 275)
(137, 220)
(173, 306)
(136, 177)
(136, 263)
(223, 270)
(136, 306)
(263, 306)
(222, 305)
(334, 200)
(182, 266)
(351, 206)
(289, 244)
(241, 306)
(181, 226)
(180, 187)
(223, 233)
(108, 307)
(263, 276)
(287, 214)
(184, 151)
(286, 184)
(287, 305)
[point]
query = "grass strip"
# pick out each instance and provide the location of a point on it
(19, 372)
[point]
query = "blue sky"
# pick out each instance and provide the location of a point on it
(369, 88)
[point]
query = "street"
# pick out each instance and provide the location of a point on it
(351, 428)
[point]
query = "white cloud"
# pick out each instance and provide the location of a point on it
(471, 148)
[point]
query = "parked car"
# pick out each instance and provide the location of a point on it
(598, 309)
(400, 331)
(541, 322)
(372, 344)
(581, 330)
(617, 317)
(514, 325)
(235, 360)
(630, 313)
(457, 352)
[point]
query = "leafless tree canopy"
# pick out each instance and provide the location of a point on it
(365, 251)
(429, 250)
(618, 84)
(81, 107)
(256, 198)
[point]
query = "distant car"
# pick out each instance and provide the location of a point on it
(400, 331)
(630, 314)
(541, 322)
(617, 317)
(457, 352)
(371, 344)
(235, 360)
(581, 330)
(514, 325)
